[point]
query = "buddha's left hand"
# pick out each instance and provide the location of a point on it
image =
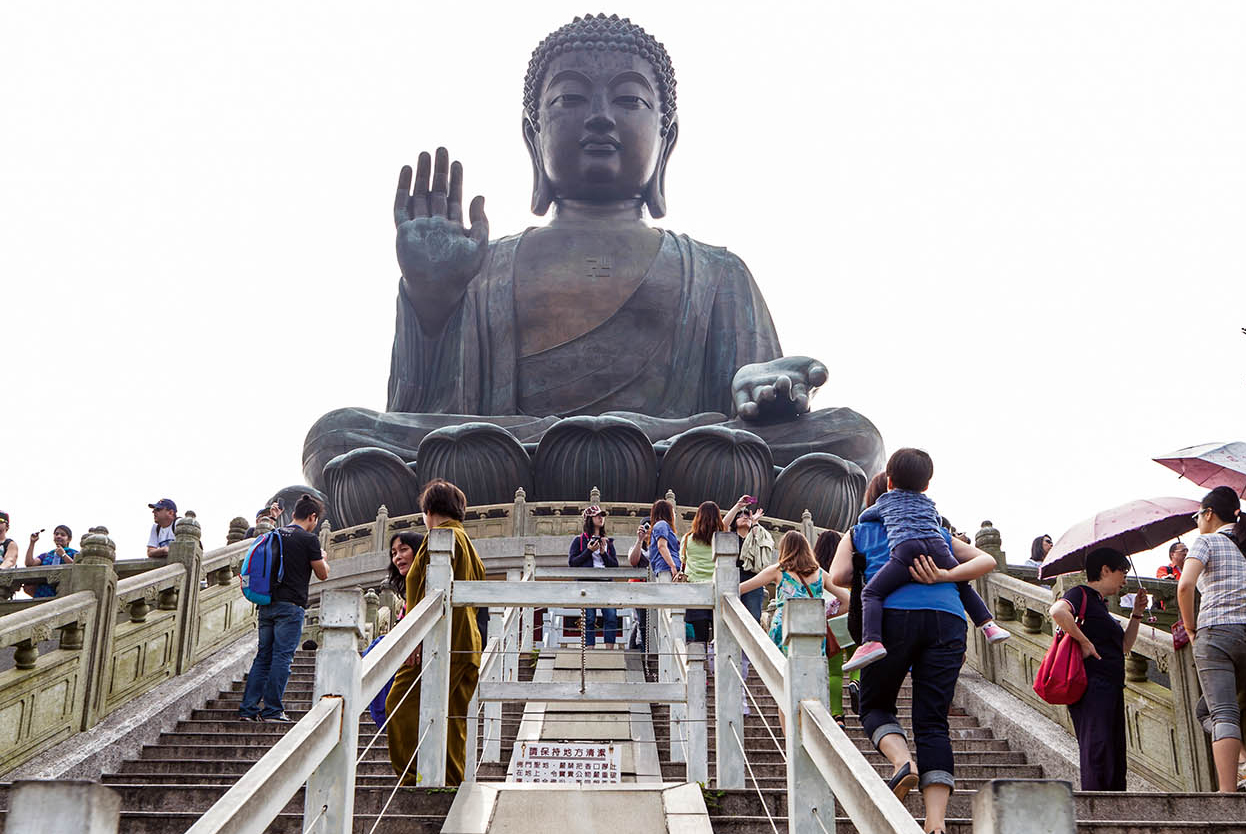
(778, 389)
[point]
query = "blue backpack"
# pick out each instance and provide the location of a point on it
(262, 569)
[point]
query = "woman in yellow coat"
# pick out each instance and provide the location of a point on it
(443, 505)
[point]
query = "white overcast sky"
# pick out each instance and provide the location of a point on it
(1013, 231)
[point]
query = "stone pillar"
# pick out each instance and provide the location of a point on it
(527, 613)
(325, 530)
(804, 628)
(187, 550)
(807, 528)
(238, 527)
(519, 514)
(698, 744)
(594, 496)
(728, 691)
(435, 687)
(491, 751)
(1024, 806)
(38, 807)
(94, 571)
(987, 538)
(380, 530)
(339, 674)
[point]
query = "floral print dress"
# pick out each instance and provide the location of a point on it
(790, 587)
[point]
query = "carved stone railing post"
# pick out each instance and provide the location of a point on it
(380, 530)
(39, 807)
(435, 687)
(339, 672)
(804, 628)
(670, 498)
(807, 528)
(325, 530)
(238, 528)
(519, 514)
(987, 538)
(372, 609)
(728, 691)
(94, 571)
(187, 549)
(594, 496)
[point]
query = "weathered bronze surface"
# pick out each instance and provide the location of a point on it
(595, 315)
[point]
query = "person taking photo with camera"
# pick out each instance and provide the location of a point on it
(594, 549)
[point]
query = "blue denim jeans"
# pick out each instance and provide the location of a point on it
(930, 644)
(281, 626)
(610, 615)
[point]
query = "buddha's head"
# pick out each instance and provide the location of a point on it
(599, 114)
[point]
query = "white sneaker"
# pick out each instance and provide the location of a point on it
(995, 634)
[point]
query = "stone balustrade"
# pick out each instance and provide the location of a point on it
(120, 631)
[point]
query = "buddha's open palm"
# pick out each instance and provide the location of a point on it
(778, 389)
(437, 255)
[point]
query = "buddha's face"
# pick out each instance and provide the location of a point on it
(600, 122)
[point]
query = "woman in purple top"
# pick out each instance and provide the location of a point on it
(913, 528)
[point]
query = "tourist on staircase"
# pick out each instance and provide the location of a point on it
(443, 505)
(1217, 568)
(924, 630)
(402, 549)
(281, 621)
(163, 515)
(798, 576)
(60, 554)
(1099, 717)
(663, 540)
(836, 605)
(697, 549)
(638, 557)
(8, 547)
(756, 553)
(592, 548)
(914, 527)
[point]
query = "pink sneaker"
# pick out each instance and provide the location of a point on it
(866, 654)
(995, 634)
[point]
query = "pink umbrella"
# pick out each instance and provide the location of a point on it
(1210, 465)
(1129, 528)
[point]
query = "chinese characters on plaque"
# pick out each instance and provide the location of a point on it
(564, 761)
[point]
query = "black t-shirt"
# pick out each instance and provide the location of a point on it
(299, 549)
(1103, 631)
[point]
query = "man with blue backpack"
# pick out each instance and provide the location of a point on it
(275, 577)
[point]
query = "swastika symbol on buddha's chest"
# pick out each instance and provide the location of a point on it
(597, 266)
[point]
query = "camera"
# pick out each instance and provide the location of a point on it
(594, 540)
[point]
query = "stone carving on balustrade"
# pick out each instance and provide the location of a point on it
(594, 350)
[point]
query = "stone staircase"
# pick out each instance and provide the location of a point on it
(173, 782)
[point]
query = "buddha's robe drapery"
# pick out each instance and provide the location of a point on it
(669, 351)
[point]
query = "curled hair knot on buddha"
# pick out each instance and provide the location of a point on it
(601, 32)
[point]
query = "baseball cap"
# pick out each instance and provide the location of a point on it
(4, 517)
(164, 504)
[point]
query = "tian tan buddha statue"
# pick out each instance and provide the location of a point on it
(593, 351)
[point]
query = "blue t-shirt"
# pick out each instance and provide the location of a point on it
(870, 539)
(662, 530)
(48, 560)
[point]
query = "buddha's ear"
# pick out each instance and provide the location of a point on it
(542, 194)
(655, 191)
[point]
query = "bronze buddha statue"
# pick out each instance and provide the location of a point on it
(595, 350)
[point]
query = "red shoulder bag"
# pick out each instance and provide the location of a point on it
(1061, 677)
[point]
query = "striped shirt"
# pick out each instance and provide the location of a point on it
(1222, 581)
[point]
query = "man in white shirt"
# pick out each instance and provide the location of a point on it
(164, 514)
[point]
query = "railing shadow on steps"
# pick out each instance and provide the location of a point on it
(122, 630)
(823, 764)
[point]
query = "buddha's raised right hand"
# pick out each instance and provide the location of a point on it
(438, 256)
